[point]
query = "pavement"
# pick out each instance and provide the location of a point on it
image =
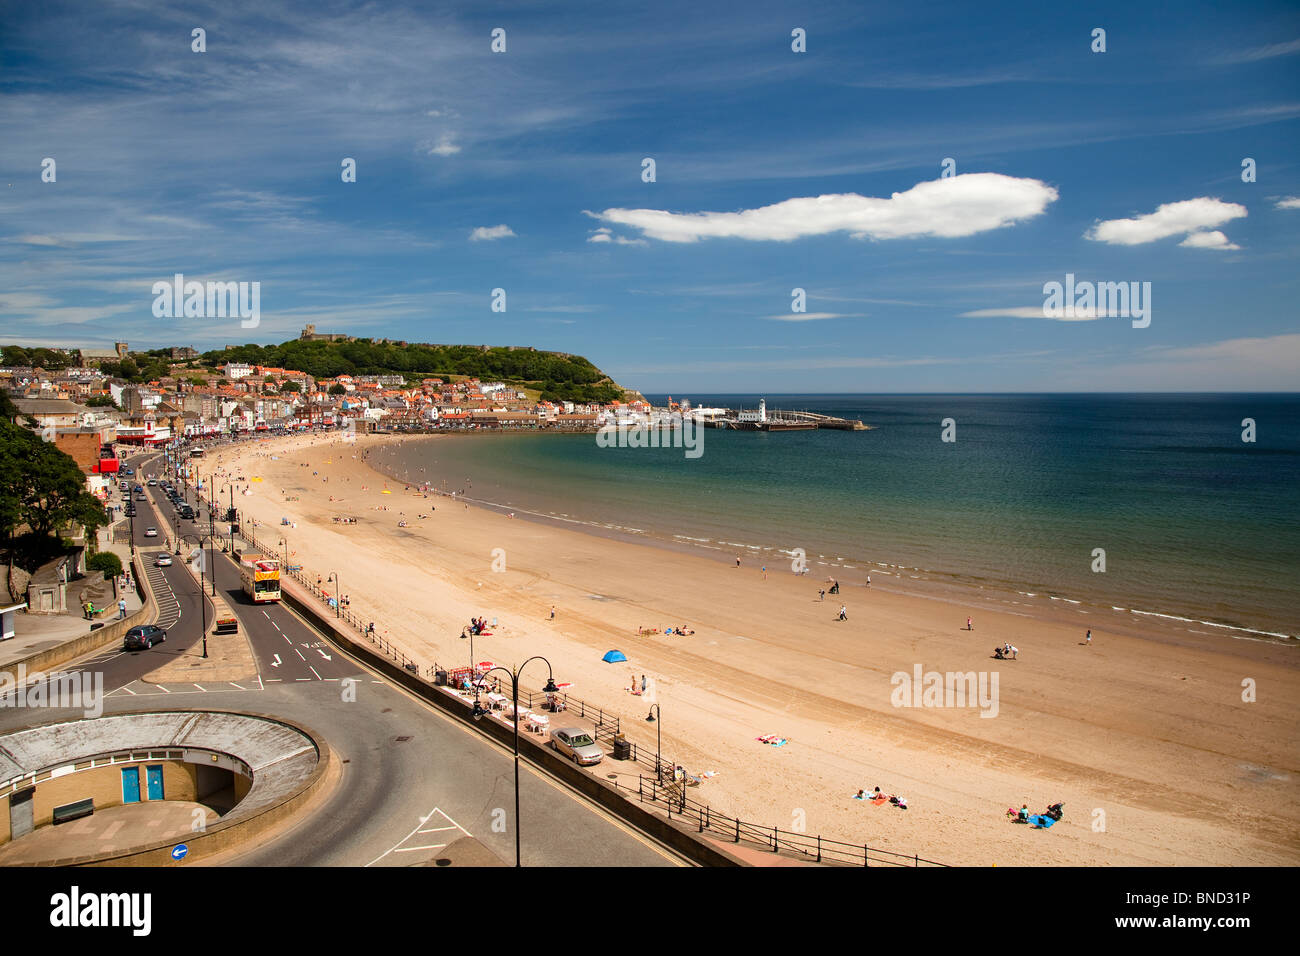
(105, 831)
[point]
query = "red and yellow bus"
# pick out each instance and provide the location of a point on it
(259, 575)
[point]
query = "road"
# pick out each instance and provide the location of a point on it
(413, 779)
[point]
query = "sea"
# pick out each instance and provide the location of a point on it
(1148, 504)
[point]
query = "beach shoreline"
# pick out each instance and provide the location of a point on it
(1146, 727)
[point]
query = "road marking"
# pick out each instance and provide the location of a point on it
(276, 662)
(265, 615)
(233, 684)
(397, 847)
(302, 678)
(162, 688)
(313, 670)
(273, 680)
(299, 653)
(200, 688)
(412, 849)
(323, 654)
(437, 829)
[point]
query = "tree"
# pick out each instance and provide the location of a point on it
(42, 487)
(337, 389)
(105, 561)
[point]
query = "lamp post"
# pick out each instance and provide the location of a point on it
(659, 772)
(338, 592)
(479, 712)
(203, 607)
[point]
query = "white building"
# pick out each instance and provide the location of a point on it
(758, 416)
(237, 370)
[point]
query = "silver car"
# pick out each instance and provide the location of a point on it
(577, 744)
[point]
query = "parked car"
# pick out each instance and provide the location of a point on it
(576, 743)
(164, 561)
(153, 482)
(151, 532)
(144, 637)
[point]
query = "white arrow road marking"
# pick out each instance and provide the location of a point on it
(276, 662)
(323, 654)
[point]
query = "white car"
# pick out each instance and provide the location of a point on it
(164, 561)
(151, 532)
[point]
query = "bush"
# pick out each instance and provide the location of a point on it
(105, 561)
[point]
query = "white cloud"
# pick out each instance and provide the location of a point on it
(1031, 312)
(491, 232)
(1170, 219)
(1208, 240)
(444, 147)
(1291, 202)
(604, 234)
(950, 208)
(805, 316)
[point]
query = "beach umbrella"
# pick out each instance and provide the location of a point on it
(485, 665)
(613, 657)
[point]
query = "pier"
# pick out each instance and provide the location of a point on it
(766, 419)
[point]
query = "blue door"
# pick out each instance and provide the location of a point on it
(130, 784)
(154, 779)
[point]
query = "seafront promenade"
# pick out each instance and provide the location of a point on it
(767, 658)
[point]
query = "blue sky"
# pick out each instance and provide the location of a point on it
(1115, 166)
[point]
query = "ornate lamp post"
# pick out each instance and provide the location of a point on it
(479, 713)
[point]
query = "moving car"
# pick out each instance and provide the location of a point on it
(153, 482)
(576, 743)
(144, 637)
(164, 561)
(151, 532)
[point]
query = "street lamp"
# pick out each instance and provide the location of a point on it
(203, 607)
(659, 727)
(479, 713)
(338, 592)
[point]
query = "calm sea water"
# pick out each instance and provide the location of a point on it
(1193, 521)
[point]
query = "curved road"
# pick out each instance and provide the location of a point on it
(413, 780)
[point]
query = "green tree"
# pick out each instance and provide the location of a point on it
(105, 561)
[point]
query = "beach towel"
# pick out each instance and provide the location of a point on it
(879, 800)
(1040, 822)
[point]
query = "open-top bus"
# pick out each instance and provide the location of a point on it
(259, 576)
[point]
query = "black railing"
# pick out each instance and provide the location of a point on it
(672, 796)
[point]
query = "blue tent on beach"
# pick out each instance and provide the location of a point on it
(613, 657)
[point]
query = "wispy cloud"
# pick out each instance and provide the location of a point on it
(488, 233)
(1261, 52)
(806, 316)
(1031, 312)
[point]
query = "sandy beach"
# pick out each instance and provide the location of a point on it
(1144, 735)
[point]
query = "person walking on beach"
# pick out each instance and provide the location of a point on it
(868, 580)
(737, 560)
(1088, 640)
(821, 593)
(643, 683)
(969, 626)
(844, 613)
(552, 612)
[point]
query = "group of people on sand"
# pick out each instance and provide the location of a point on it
(477, 625)
(879, 798)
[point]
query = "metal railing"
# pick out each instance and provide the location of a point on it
(670, 794)
(818, 849)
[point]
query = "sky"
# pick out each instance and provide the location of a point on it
(922, 173)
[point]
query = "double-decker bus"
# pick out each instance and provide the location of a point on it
(259, 575)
